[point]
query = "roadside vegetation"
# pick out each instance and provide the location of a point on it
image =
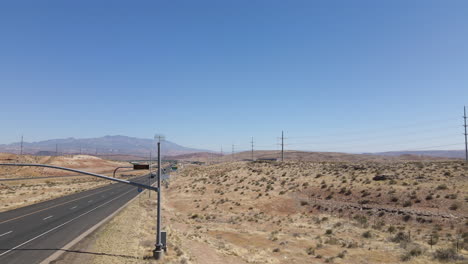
(309, 212)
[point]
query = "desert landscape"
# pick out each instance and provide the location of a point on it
(378, 211)
(22, 186)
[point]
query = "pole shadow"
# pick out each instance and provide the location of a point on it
(71, 251)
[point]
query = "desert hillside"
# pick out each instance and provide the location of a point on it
(21, 186)
(293, 155)
(80, 162)
(300, 212)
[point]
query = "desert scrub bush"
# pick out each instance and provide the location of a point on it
(454, 206)
(328, 232)
(442, 187)
(406, 218)
(361, 220)
(451, 196)
(400, 237)
(407, 204)
(445, 254)
(342, 254)
(310, 251)
(367, 234)
(194, 216)
(413, 252)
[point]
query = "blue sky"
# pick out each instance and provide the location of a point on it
(334, 75)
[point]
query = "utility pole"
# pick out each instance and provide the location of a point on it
(282, 146)
(149, 177)
(157, 252)
(221, 157)
(21, 151)
(56, 149)
(232, 156)
(252, 142)
(466, 143)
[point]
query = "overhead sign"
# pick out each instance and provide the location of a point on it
(141, 166)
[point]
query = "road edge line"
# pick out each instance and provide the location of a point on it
(77, 239)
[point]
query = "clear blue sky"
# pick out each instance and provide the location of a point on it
(337, 75)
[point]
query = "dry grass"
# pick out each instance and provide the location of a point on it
(301, 212)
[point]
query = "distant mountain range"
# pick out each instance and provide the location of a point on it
(431, 153)
(107, 145)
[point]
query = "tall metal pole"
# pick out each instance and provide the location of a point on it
(252, 149)
(282, 146)
(466, 142)
(157, 253)
(56, 149)
(232, 152)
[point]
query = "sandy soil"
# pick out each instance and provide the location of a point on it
(298, 212)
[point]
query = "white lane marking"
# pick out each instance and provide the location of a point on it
(71, 220)
(6, 233)
(73, 207)
(90, 201)
(48, 217)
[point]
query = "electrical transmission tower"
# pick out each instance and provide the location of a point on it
(221, 157)
(21, 151)
(282, 146)
(232, 156)
(466, 142)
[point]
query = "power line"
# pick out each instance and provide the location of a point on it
(379, 137)
(383, 145)
(399, 142)
(438, 122)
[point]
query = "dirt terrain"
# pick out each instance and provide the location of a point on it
(300, 212)
(17, 193)
(213, 158)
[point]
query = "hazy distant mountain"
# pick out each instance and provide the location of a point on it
(432, 153)
(103, 145)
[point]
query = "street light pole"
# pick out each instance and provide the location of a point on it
(157, 252)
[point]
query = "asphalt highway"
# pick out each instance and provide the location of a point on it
(30, 234)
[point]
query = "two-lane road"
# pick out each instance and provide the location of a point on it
(32, 233)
